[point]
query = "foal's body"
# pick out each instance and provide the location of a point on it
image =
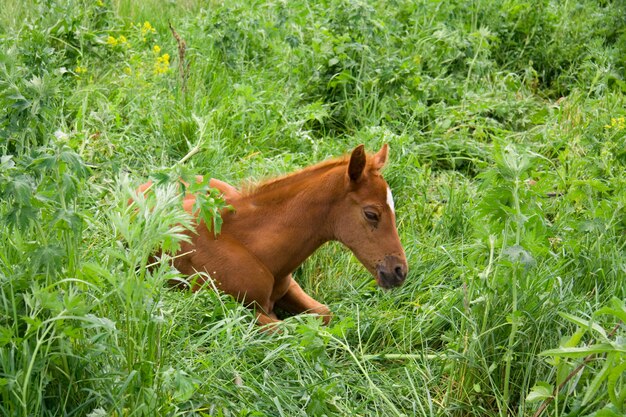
(276, 226)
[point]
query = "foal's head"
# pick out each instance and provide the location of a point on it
(365, 220)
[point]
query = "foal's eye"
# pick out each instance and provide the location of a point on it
(371, 216)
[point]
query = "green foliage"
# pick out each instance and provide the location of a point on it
(506, 127)
(209, 201)
(609, 351)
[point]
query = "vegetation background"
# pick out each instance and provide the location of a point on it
(506, 121)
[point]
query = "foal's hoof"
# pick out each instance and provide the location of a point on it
(325, 313)
(271, 328)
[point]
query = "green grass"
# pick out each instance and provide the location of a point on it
(507, 134)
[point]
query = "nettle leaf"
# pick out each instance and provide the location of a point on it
(511, 163)
(592, 184)
(517, 253)
(68, 219)
(195, 186)
(68, 186)
(20, 189)
(341, 327)
(47, 258)
(180, 382)
(316, 111)
(60, 160)
(48, 300)
(43, 163)
(74, 162)
(21, 217)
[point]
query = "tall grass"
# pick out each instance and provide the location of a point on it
(506, 127)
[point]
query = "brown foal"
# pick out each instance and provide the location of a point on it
(277, 225)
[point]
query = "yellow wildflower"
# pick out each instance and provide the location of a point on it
(128, 70)
(147, 28)
(121, 41)
(100, 3)
(162, 64)
(156, 49)
(618, 123)
(80, 69)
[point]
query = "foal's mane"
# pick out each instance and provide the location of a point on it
(295, 179)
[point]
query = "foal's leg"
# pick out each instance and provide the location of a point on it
(230, 192)
(233, 269)
(297, 301)
(267, 321)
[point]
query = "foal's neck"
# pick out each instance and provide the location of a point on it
(285, 224)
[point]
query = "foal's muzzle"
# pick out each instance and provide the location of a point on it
(391, 272)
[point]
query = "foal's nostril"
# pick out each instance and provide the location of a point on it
(399, 272)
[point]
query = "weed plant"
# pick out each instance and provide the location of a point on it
(506, 122)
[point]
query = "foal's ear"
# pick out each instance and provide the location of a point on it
(357, 163)
(380, 159)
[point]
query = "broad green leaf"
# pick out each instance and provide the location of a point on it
(34, 323)
(575, 338)
(6, 161)
(597, 381)
(619, 314)
(618, 304)
(540, 392)
(608, 412)
(585, 324)
(575, 352)
(617, 309)
(617, 372)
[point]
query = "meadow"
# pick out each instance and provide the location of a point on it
(506, 123)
